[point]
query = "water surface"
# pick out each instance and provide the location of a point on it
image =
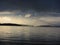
(29, 35)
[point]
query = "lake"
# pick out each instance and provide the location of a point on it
(21, 35)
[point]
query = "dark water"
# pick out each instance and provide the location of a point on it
(14, 35)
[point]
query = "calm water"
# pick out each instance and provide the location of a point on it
(15, 35)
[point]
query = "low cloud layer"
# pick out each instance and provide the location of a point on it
(50, 20)
(30, 18)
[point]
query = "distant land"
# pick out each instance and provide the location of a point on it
(13, 24)
(49, 26)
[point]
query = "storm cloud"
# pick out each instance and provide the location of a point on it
(36, 11)
(37, 5)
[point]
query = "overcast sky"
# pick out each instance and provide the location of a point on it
(34, 12)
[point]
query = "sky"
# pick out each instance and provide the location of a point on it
(31, 12)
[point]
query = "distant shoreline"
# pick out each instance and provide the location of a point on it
(12, 24)
(47, 26)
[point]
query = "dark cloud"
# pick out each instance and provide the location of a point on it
(37, 5)
(34, 7)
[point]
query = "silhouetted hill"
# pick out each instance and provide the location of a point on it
(48, 26)
(12, 24)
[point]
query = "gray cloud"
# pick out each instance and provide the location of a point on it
(23, 5)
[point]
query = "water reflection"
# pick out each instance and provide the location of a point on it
(29, 34)
(14, 33)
